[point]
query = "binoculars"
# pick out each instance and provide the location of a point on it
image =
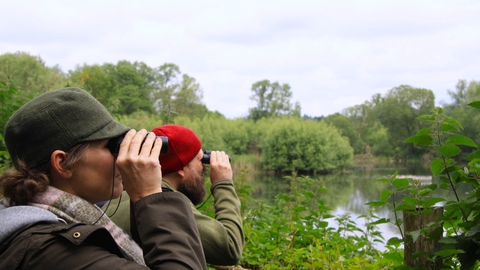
(206, 157)
(114, 144)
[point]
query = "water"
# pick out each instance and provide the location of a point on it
(348, 192)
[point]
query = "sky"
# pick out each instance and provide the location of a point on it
(333, 54)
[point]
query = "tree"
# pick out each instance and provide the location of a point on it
(188, 99)
(465, 93)
(304, 145)
(166, 83)
(272, 100)
(123, 88)
(460, 95)
(371, 135)
(398, 110)
(30, 73)
(176, 93)
(94, 79)
(11, 99)
(131, 87)
(348, 130)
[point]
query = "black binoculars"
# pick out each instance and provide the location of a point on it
(206, 157)
(114, 144)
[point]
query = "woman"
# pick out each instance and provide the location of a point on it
(63, 165)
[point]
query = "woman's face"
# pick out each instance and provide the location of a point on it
(93, 175)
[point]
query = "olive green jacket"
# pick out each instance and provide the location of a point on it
(222, 238)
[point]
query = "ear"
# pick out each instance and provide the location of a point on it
(181, 173)
(56, 160)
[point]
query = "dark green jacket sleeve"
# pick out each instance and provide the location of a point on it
(167, 230)
(222, 237)
(168, 234)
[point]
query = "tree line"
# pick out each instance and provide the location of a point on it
(143, 97)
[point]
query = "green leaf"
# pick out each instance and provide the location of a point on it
(436, 166)
(375, 204)
(475, 104)
(411, 201)
(462, 140)
(322, 224)
(309, 194)
(396, 257)
(420, 139)
(386, 193)
(400, 183)
(394, 241)
(385, 180)
(424, 131)
(426, 117)
(425, 192)
(380, 221)
(436, 233)
(431, 201)
(473, 231)
(448, 127)
(453, 122)
(415, 234)
(449, 150)
(473, 155)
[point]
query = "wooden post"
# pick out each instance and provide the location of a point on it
(416, 221)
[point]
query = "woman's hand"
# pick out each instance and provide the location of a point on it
(139, 164)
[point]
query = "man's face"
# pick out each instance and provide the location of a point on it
(193, 182)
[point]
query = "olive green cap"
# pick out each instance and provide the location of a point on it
(57, 120)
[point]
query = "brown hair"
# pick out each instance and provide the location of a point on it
(20, 185)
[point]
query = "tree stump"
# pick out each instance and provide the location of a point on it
(413, 221)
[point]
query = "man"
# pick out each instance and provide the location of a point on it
(182, 169)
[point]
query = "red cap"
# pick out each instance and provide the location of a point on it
(183, 146)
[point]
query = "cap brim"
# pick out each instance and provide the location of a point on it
(111, 130)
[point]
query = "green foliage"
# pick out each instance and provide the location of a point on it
(123, 88)
(10, 100)
(461, 233)
(346, 127)
(209, 129)
(176, 92)
(466, 93)
(30, 73)
(309, 145)
(397, 111)
(371, 137)
(273, 100)
(289, 144)
(366, 134)
(126, 88)
(294, 233)
(218, 133)
(379, 126)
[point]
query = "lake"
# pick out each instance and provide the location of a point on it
(349, 191)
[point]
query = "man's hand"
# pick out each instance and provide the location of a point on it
(138, 164)
(220, 167)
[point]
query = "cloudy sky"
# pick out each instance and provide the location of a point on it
(333, 54)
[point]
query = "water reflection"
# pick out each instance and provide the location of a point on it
(348, 192)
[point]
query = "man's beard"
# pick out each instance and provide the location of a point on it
(193, 186)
